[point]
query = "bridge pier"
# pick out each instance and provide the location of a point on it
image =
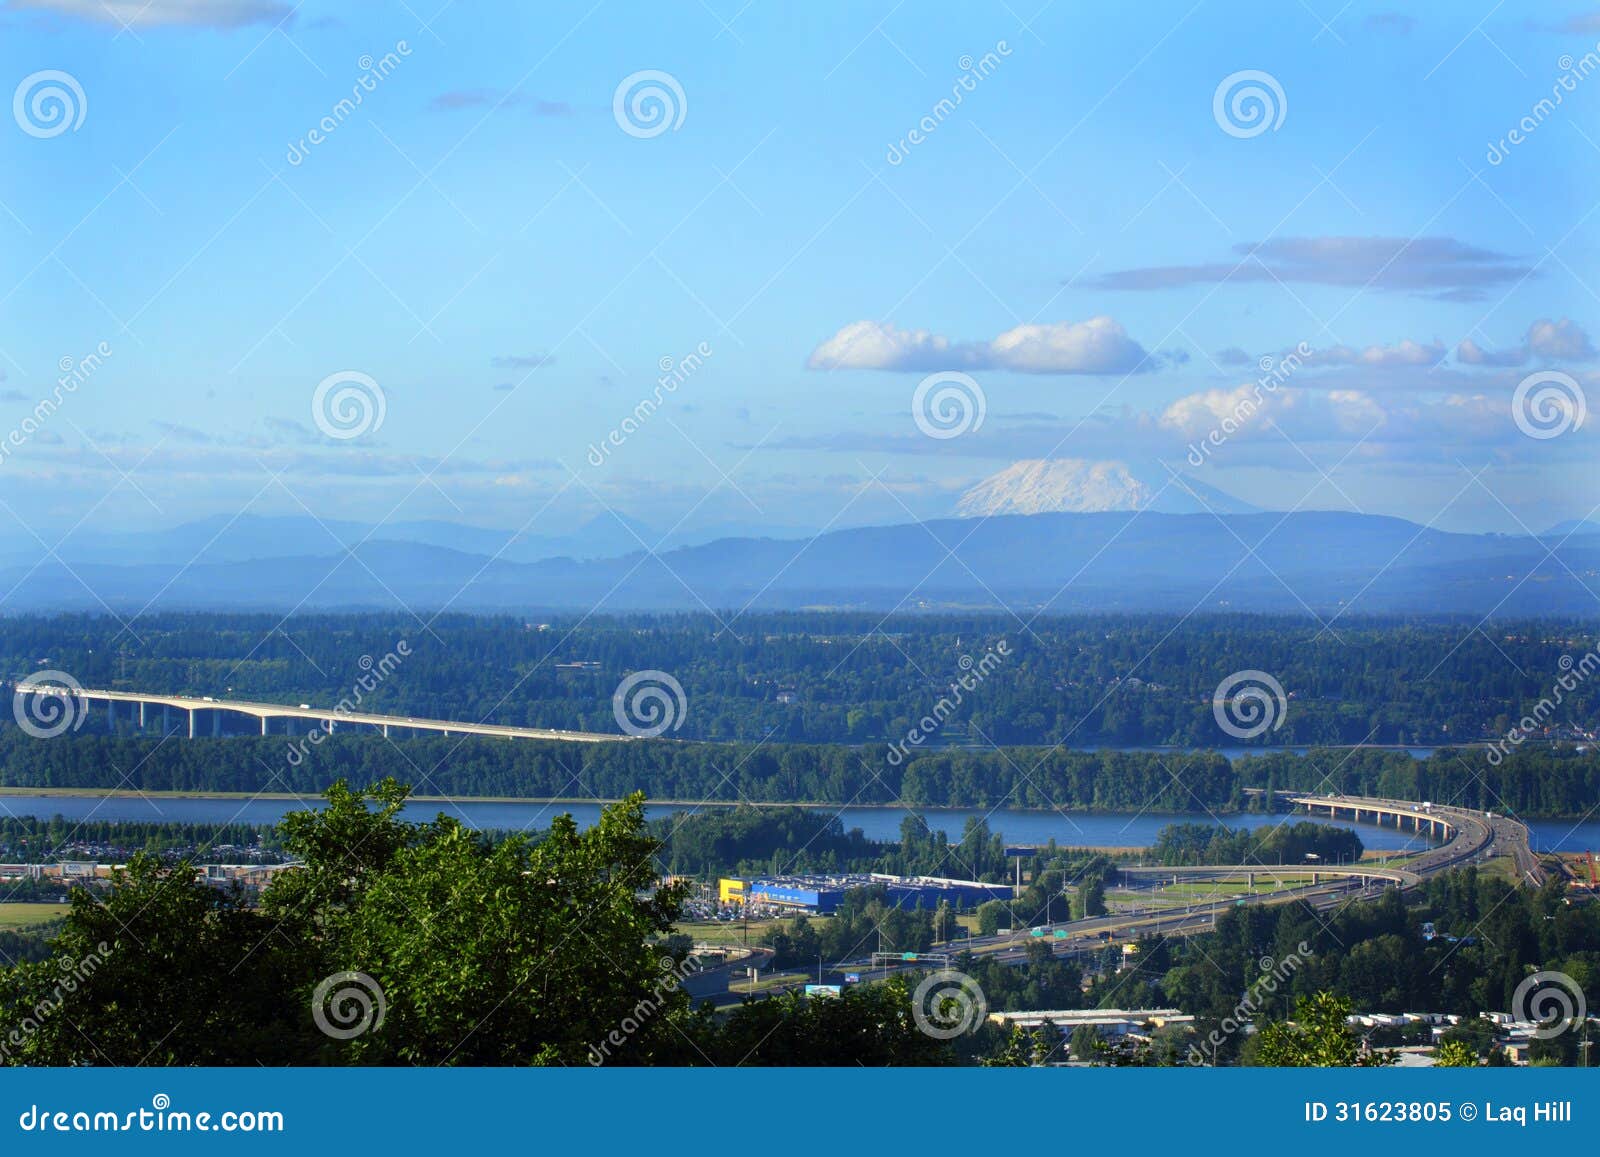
(111, 715)
(192, 713)
(141, 715)
(263, 725)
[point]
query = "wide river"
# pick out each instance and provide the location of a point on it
(1070, 829)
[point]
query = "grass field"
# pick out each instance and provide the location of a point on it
(1231, 887)
(771, 980)
(22, 915)
(724, 933)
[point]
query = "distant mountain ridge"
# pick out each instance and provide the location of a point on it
(253, 537)
(1326, 563)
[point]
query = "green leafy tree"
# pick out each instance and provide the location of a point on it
(869, 1024)
(163, 970)
(1318, 1038)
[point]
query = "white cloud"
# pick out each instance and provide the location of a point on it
(874, 345)
(1559, 341)
(1097, 346)
(1403, 353)
(1470, 353)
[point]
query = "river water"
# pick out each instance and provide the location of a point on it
(1068, 828)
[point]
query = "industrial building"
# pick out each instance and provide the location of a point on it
(823, 895)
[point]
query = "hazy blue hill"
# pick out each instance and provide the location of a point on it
(1063, 561)
(1572, 526)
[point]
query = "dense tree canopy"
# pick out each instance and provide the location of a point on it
(848, 678)
(400, 943)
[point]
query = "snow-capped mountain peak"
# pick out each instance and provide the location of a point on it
(1044, 485)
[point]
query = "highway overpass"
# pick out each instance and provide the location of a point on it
(1468, 836)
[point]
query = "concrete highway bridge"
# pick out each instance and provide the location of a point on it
(1467, 836)
(1467, 833)
(202, 710)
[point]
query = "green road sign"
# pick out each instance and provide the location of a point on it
(1061, 933)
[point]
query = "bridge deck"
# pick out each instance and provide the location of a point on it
(321, 715)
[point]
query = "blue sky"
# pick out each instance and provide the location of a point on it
(507, 265)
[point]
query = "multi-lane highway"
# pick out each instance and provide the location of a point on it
(1471, 837)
